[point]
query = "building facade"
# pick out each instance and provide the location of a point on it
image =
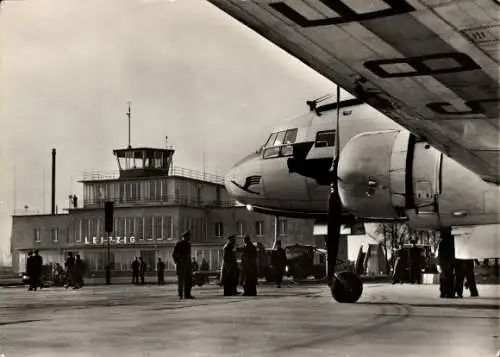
(153, 204)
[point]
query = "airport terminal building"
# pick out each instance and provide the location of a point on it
(154, 203)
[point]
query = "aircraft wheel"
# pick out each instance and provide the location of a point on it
(347, 287)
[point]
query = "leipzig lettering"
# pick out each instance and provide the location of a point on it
(112, 240)
(346, 14)
(475, 107)
(462, 63)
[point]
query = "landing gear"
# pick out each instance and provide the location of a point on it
(347, 287)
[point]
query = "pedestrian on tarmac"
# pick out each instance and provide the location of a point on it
(37, 270)
(470, 279)
(78, 272)
(279, 262)
(230, 271)
(249, 267)
(160, 269)
(447, 265)
(142, 269)
(69, 265)
(182, 259)
(135, 271)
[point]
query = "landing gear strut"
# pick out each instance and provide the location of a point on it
(346, 286)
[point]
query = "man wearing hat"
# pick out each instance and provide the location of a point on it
(182, 259)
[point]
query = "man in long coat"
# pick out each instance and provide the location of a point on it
(229, 271)
(182, 259)
(249, 265)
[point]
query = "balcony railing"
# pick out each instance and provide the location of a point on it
(174, 171)
(158, 201)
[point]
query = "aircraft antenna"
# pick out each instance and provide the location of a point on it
(314, 103)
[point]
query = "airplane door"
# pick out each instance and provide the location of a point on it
(426, 184)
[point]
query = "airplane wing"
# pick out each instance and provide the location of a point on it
(430, 65)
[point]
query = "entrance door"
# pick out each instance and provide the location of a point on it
(148, 256)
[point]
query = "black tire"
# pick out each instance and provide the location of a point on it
(347, 287)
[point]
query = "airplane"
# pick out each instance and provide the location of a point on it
(432, 67)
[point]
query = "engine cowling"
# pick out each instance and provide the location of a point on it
(390, 175)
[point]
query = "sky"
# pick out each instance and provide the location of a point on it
(194, 74)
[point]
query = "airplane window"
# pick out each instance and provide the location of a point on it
(279, 138)
(290, 136)
(325, 138)
(271, 139)
(271, 152)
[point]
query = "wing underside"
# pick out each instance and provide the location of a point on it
(430, 65)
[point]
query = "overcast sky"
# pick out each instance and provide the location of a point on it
(68, 68)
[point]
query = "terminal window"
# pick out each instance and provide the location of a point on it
(259, 228)
(36, 235)
(282, 227)
(55, 235)
(240, 228)
(219, 230)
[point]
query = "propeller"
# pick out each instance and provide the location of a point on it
(345, 286)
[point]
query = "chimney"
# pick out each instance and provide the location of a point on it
(53, 192)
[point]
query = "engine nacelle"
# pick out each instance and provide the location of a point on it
(390, 175)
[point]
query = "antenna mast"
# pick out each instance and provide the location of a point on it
(129, 113)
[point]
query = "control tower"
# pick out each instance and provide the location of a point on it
(143, 162)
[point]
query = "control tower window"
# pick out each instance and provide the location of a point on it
(325, 138)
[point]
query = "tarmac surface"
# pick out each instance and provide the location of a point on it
(297, 320)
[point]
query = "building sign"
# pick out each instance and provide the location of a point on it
(112, 240)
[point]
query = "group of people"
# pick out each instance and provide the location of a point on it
(34, 265)
(230, 272)
(75, 270)
(414, 274)
(73, 276)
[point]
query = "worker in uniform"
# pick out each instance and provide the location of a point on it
(278, 261)
(249, 267)
(229, 271)
(182, 259)
(37, 270)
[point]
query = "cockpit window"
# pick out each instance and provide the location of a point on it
(325, 138)
(271, 139)
(290, 136)
(279, 138)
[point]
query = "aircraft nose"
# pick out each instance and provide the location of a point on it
(244, 180)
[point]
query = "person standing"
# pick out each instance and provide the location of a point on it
(142, 269)
(29, 270)
(78, 272)
(249, 266)
(160, 269)
(135, 271)
(468, 265)
(182, 259)
(278, 261)
(229, 271)
(446, 258)
(69, 265)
